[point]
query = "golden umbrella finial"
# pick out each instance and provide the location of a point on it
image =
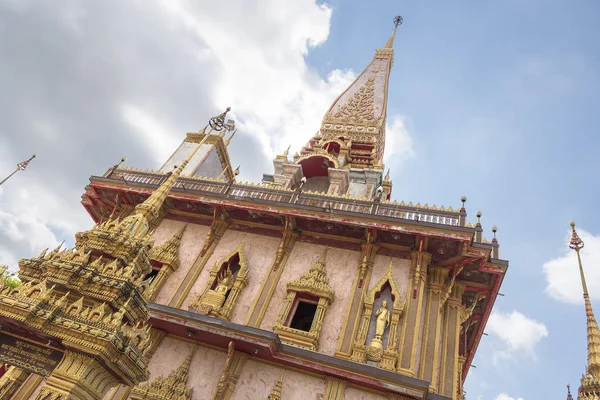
(20, 167)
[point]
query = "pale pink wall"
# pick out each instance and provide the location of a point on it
(357, 394)
(260, 252)
(191, 244)
(205, 369)
(258, 379)
(341, 268)
(400, 268)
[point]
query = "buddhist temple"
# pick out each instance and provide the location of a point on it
(313, 284)
(590, 379)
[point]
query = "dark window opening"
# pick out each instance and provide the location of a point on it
(304, 315)
(152, 274)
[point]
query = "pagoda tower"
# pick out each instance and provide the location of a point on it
(590, 380)
(311, 284)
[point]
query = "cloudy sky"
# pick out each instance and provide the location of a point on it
(495, 100)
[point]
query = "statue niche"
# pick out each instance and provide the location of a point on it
(376, 340)
(227, 279)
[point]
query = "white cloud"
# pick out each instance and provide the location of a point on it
(130, 78)
(518, 333)
(562, 273)
(504, 396)
(398, 143)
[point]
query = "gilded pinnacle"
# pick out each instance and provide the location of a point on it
(390, 43)
(593, 333)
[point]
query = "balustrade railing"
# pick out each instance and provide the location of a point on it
(325, 202)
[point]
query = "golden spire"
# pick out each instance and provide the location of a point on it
(390, 43)
(593, 333)
(362, 110)
(276, 392)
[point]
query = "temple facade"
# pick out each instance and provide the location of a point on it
(313, 284)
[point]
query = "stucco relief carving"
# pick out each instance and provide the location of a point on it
(226, 281)
(374, 325)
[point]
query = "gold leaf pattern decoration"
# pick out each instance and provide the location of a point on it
(359, 108)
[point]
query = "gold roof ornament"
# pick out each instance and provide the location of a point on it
(173, 387)
(276, 392)
(20, 167)
(314, 280)
(138, 223)
(590, 382)
(168, 252)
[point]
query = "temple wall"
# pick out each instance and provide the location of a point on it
(258, 379)
(260, 252)
(353, 393)
(205, 369)
(341, 268)
(191, 243)
(400, 268)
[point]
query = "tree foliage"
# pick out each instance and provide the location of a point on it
(8, 278)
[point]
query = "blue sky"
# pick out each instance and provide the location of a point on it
(494, 100)
(501, 101)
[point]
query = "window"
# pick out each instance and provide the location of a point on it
(303, 316)
(152, 274)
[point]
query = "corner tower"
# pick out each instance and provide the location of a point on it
(345, 157)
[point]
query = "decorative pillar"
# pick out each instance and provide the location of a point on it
(451, 368)
(231, 373)
(77, 377)
(334, 388)
(359, 291)
(338, 181)
(11, 381)
(28, 387)
(263, 299)
(431, 332)
(412, 323)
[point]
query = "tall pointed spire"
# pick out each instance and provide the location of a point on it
(569, 396)
(590, 383)
(358, 115)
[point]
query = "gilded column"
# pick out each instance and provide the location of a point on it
(11, 381)
(261, 303)
(231, 373)
(450, 364)
(430, 348)
(359, 291)
(77, 377)
(334, 388)
(414, 311)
